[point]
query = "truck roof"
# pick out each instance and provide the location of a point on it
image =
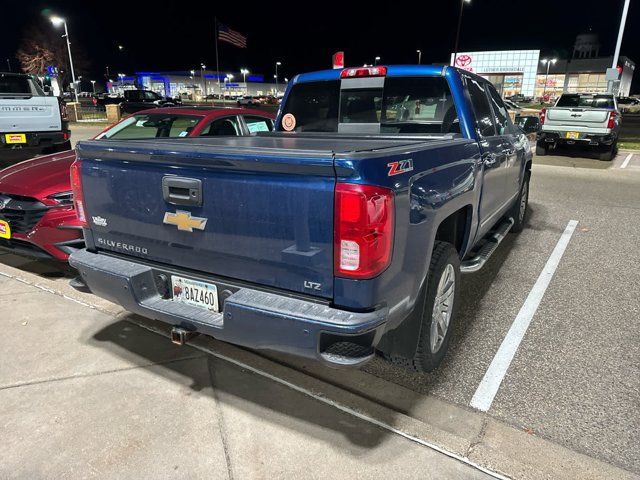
(392, 71)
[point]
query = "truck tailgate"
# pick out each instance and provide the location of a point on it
(577, 117)
(34, 114)
(269, 216)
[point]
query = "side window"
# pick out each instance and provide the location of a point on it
(480, 103)
(150, 96)
(222, 126)
(500, 112)
(258, 124)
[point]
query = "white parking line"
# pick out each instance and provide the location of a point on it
(486, 392)
(626, 161)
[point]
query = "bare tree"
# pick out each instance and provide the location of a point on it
(42, 45)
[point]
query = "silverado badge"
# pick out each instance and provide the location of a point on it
(184, 221)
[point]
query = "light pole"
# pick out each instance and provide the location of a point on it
(57, 21)
(419, 56)
(547, 62)
(455, 48)
(276, 77)
(93, 86)
(623, 22)
(204, 85)
(244, 73)
(375, 61)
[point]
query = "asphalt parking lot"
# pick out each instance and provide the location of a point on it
(568, 406)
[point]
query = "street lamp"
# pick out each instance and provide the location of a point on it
(204, 85)
(276, 77)
(93, 86)
(419, 56)
(376, 60)
(455, 49)
(547, 62)
(120, 47)
(244, 73)
(57, 21)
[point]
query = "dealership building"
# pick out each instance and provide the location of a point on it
(195, 84)
(525, 72)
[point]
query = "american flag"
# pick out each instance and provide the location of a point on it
(231, 36)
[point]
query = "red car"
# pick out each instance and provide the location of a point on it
(37, 217)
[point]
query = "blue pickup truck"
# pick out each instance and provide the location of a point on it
(340, 235)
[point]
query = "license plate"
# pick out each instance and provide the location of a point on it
(5, 230)
(573, 135)
(195, 293)
(15, 138)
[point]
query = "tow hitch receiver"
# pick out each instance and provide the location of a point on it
(180, 336)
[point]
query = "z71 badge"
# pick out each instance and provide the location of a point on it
(401, 166)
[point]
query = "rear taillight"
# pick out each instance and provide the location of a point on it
(363, 72)
(543, 116)
(63, 109)
(363, 230)
(78, 195)
(612, 119)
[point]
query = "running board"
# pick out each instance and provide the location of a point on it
(476, 263)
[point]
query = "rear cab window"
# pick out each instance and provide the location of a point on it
(402, 105)
(586, 101)
(18, 85)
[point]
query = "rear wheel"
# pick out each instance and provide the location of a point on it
(62, 147)
(438, 315)
(609, 154)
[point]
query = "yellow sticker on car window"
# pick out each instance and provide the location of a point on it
(5, 229)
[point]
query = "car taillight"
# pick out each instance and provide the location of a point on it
(78, 196)
(363, 72)
(612, 119)
(63, 109)
(543, 116)
(363, 230)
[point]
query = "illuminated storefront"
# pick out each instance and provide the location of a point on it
(522, 72)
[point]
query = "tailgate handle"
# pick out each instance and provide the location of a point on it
(182, 191)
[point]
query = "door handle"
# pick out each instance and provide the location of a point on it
(182, 191)
(490, 159)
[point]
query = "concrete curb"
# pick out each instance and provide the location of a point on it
(471, 437)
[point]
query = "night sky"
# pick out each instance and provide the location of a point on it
(303, 35)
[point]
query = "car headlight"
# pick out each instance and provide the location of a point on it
(63, 199)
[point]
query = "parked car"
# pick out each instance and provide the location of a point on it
(36, 204)
(628, 104)
(248, 100)
(30, 120)
(520, 98)
(344, 231)
(581, 119)
(511, 105)
(136, 100)
(101, 99)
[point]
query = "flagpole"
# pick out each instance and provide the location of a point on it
(215, 19)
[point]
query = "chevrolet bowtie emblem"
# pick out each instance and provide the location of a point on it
(184, 221)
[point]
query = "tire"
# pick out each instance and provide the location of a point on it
(444, 267)
(519, 210)
(541, 151)
(610, 154)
